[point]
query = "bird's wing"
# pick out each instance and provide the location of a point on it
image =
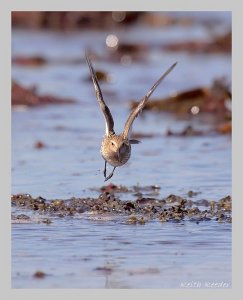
(141, 104)
(105, 109)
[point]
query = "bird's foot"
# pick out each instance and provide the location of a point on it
(108, 177)
(105, 170)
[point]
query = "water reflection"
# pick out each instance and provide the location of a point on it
(111, 254)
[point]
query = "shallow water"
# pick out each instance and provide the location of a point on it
(70, 250)
(82, 253)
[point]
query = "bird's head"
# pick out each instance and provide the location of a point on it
(119, 146)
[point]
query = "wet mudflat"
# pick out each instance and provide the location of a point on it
(165, 219)
(143, 209)
(106, 242)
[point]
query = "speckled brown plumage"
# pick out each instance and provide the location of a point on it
(116, 149)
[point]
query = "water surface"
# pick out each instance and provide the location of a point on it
(80, 252)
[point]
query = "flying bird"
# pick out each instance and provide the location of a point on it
(116, 149)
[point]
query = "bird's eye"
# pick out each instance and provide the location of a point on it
(112, 144)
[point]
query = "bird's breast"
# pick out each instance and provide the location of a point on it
(113, 158)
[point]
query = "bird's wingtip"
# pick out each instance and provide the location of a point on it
(87, 51)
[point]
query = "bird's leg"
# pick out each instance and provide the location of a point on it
(110, 174)
(105, 170)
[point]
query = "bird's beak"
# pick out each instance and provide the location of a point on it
(118, 155)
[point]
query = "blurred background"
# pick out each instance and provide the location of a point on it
(57, 128)
(57, 125)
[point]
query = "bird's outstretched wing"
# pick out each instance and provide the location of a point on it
(141, 104)
(105, 109)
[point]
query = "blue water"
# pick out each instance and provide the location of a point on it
(70, 250)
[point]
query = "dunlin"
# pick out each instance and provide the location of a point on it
(116, 149)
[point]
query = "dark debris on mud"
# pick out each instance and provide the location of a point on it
(212, 99)
(29, 97)
(170, 209)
